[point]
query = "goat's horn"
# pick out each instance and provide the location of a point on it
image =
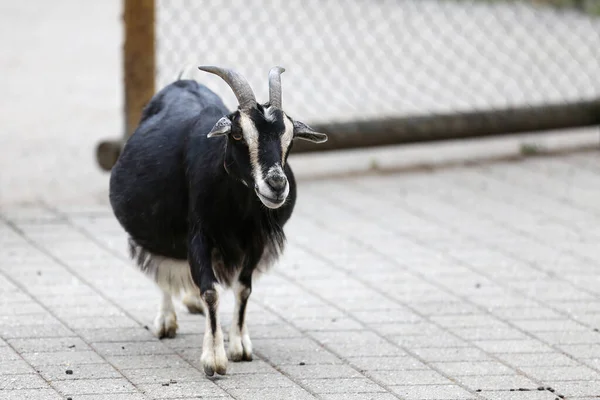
(240, 86)
(275, 86)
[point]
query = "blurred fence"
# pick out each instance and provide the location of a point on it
(374, 72)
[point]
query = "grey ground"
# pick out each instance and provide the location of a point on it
(475, 282)
(470, 282)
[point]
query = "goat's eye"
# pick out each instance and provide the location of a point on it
(237, 136)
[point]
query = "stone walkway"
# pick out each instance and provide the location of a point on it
(476, 282)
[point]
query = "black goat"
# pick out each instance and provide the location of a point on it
(203, 194)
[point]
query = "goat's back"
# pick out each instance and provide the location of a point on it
(148, 187)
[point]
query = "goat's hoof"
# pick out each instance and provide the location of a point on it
(240, 348)
(212, 364)
(220, 360)
(165, 325)
(209, 370)
(193, 304)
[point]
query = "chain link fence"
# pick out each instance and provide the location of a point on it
(378, 59)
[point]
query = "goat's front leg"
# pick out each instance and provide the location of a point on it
(214, 358)
(240, 346)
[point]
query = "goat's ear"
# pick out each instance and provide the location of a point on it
(305, 132)
(222, 127)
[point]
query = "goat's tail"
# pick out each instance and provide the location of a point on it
(171, 275)
(186, 72)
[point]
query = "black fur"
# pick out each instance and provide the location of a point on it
(179, 194)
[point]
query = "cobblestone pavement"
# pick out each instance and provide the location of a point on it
(475, 282)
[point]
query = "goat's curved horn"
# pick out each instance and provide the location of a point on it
(275, 86)
(240, 86)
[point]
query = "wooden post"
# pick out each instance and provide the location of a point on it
(138, 58)
(139, 73)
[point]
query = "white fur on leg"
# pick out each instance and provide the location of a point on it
(240, 346)
(165, 323)
(214, 358)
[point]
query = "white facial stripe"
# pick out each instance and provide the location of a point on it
(251, 137)
(286, 138)
(264, 191)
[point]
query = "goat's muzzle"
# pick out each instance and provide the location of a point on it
(273, 191)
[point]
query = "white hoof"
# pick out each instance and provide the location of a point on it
(165, 325)
(214, 360)
(240, 346)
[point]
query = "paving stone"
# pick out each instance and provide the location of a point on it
(147, 361)
(28, 381)
(275, 331)
(271, 393)
(257, 381)
(341, 385)
(113, 396)
(479, 333)
(329, 324)
(15, 366)
(452, 354)
(132, 348)
(582, 351)
(407, 329)
(293, 351)
(164, 375)
(116, 334)
(62, 358)
(537, 359)
(551, 325)
(35, 331)
(97, 323)
(29, 319)
(184, 389)
(78, 371)
(409, 377)
(432, 392)
(8, 354)
(386, 316)
(94, 386)
(354, 344)
(42, 345)
(498, 382)
(573, 373)
(357, 396)
(320, 371)
(23, 308)
(31, 394)
(508, 395)
(257, 366)
(476, 368)
(577, 337)
(513, 346)
(429, 341)
(526, 313)
(576, 388)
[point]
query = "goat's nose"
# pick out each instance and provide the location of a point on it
(277, 183)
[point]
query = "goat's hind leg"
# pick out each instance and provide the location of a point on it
(165, 323)
(172, 276)
(193, 303)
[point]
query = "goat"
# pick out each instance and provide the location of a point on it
(203, 194)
